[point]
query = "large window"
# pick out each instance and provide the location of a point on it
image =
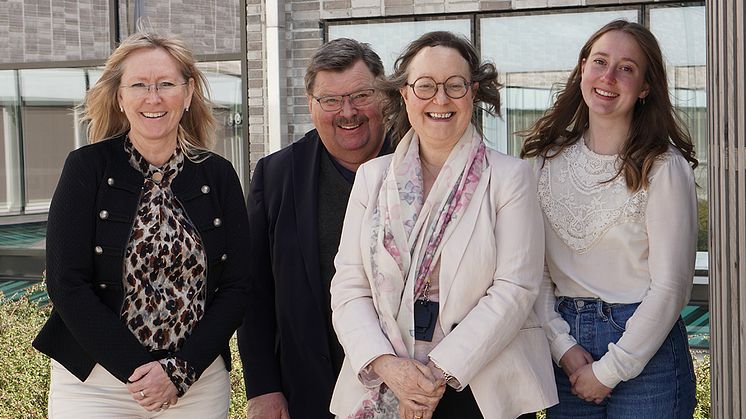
(681, 33)
(49, 128)
(224, 78)
(39, 127)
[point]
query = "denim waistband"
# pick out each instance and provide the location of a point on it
(585, 304)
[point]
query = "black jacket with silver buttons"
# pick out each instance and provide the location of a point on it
(90, 219)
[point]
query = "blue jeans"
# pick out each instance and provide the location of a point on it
(664, 389)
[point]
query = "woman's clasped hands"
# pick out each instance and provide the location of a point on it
(577, 364)
(413, 384)
(151, 388)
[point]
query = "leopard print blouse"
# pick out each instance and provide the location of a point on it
(164, 269)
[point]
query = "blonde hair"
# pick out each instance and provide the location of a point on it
(196, 131)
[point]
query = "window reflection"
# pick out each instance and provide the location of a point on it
(10, 190)
(224, 79)
(36, 138)
(534, 55)
(681, 33)
(49, 124)
(389, 39)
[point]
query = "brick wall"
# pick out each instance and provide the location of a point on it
(209, 26)
(73, 30)
(59, 30)
(257, 72)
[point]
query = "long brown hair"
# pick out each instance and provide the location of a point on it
(483, 73)
(655, 124)
(196, 132)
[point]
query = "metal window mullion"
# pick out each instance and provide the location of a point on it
(14, 154)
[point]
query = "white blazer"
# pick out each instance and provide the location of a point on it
(490, 270)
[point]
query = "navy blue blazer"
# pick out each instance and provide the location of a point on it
(90, 220)
(283, 341)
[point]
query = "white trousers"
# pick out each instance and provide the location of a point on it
(103, 396)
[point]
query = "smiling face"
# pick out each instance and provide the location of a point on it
(613, 77)
(352, 134)
(155, 116)
(440, 120)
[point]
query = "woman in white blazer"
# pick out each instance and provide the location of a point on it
(441, 257)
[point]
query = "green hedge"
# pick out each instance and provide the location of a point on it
(24, 372)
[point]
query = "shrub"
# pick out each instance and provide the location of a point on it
(702, 214)
(24, 372)
(238, 391)
(702, 372)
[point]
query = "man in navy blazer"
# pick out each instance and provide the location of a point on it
(297, 200)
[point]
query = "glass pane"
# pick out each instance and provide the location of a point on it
(682, 36)
(50, 128)
(224, 78)
(3, 169)
(681, 32)
(10, 175)
(389, 39)
(534, 54)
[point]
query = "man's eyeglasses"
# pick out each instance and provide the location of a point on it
(426, 88)
(163, 88)
(335, 103)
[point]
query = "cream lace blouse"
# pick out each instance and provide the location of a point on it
(603, 241)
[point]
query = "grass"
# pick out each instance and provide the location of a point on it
(24, 372)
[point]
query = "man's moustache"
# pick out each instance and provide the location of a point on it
(351, 121)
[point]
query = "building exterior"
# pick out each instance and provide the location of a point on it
(255, 52)
(52, 51)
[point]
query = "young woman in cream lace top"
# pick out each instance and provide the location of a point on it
(616, 185)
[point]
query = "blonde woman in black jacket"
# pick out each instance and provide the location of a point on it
(143, 237)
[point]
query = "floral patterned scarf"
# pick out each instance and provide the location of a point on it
(408, 235)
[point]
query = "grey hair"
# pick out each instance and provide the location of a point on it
(339, 55)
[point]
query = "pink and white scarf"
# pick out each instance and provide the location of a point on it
(408, 233)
